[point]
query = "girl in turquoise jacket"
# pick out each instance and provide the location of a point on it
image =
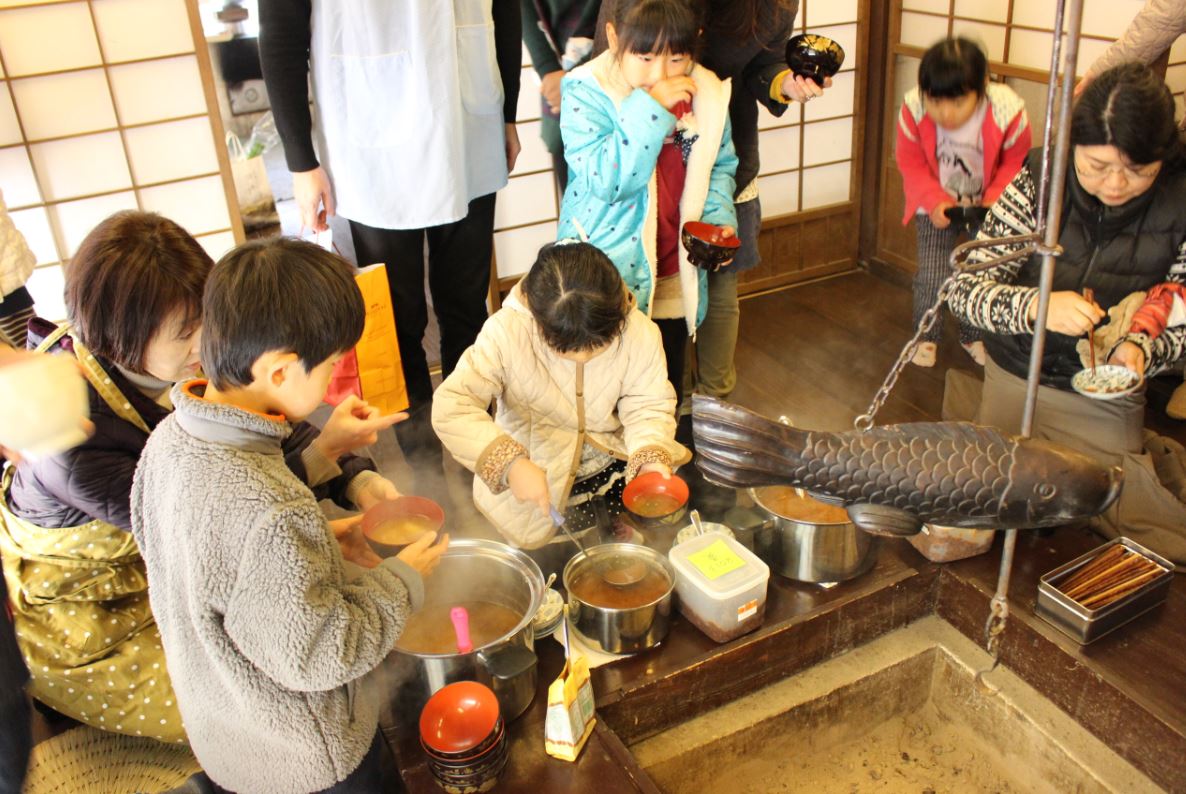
(647, 140)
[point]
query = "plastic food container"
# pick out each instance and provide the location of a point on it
(721, 585)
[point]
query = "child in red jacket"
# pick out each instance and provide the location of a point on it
(961, 139)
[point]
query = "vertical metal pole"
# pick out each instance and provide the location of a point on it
(1049, 212)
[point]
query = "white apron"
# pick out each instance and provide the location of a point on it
(408, 108)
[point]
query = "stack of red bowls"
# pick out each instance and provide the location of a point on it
(464, 737)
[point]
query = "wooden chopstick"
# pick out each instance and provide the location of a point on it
(1109, 577)
(1089, 296)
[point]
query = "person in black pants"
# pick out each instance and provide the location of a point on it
(414, 136)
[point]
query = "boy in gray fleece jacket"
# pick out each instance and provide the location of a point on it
(266, 634)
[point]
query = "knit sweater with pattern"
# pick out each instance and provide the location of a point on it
(266, 638)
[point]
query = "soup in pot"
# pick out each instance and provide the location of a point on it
(786, 502)
(590, 586)
(429, 630)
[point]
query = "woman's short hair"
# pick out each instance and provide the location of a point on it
(129, 276)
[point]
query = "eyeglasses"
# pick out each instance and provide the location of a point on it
(1095, 173)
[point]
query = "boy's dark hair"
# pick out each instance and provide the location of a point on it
(646, 26)
(131, 273)
(576, 296)
(278, 294)
(952, 68)
(1131, 108)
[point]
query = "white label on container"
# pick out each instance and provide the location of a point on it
(747, 610)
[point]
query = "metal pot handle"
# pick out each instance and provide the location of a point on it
(508, 661)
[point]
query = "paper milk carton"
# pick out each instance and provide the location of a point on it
(570, 717)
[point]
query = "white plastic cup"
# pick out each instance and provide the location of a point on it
(43, 402)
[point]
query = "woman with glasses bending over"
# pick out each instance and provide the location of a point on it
(1123, 232)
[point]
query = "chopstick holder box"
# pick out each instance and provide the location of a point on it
(570, 717)
(1086, 625)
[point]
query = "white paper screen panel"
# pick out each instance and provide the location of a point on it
(73, 167)
(156, 90)
(34, 226)
(153, 150)
(197, 204)
(516, 249)
(922, 30)
(836, 101)
(830, 12)
(57, 105)
(527, 199)
(535, 155)
(132, 30)
(987, 10)
(990, 37)
(17, 182)
(75, 219)
(931, 6)
(779, 193)
(778, 150)
(48, 38)
(103, 109)
(10, 128)
(826, 185)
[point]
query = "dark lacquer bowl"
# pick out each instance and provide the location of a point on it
(814, 57)
(708, 247)
(966, 216)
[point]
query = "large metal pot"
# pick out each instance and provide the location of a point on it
(477, 570)
(626, 629)
(807, 551)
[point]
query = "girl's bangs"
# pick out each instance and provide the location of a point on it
(656, 28)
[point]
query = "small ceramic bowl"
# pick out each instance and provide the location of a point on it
(550, 612)
(814, 57)
(708, 247)
(654, 500)
(459, 717)
(966, 216)
(1109, 382)
(390, 526)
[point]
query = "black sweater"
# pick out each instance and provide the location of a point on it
(284, 38)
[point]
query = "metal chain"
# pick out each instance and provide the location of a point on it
(865, 421)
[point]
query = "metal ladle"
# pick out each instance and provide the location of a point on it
(619, 575)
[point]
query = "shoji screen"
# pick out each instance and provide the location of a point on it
(808, 155)
(105, 105)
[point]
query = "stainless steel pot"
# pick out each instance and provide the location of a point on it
(811, 552)
(625, 630)
(477, 570)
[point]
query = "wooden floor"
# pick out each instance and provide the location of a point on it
(818, 353)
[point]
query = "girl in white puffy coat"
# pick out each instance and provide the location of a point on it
(583, 402)
(16, 263)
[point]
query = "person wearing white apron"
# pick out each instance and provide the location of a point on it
(414, 102)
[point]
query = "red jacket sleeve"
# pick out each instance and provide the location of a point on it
(1012, 156)
(920, 184)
